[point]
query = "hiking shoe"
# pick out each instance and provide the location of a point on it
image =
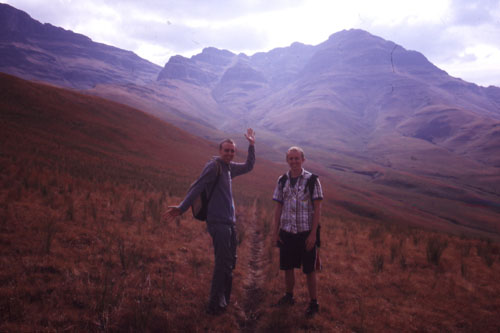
(215, 310)
(312, 309)
(286, 300)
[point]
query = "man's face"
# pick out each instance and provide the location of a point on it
(227, 151)
(295, 160)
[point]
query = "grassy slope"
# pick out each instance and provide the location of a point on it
(83, 183)
(405, 181)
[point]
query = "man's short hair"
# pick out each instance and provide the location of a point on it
(295, 148)
(226, 141)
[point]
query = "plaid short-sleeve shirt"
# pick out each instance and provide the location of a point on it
(297, 211)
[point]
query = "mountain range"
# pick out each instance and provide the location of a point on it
(396, 137)
(37, 51)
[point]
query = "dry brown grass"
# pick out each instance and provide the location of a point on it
(410, 294)
(94, 270)
(83, 247)
(105, 273)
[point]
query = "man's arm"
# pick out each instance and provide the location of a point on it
(311, 239)
(207, 175)
(317, 196)
(278, 210)
(241, 168)
(277, 219)
(238, 169)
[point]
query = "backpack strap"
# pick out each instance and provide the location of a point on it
(282, 180)
(216, 180)
(311, 182)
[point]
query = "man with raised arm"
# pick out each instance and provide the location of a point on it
(216, 179)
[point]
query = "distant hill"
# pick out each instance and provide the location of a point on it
(89, 136)
(47, 53)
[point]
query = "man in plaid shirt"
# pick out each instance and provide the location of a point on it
(296, 217)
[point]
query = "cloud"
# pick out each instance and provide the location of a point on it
(164, 27)
(474, 13)
(214, 10)
(454, 38)
(187, 40)
(186, 36)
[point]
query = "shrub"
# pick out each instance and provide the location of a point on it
(14, 194)
(241, 231)
(485, 251)
(395, 250)
(375, 234)
(266, 228)
(196, 262)
(70, 210)
(93, 210)
(130, 255)
(4, 216)
(378, 263)
(402, 262)
(155, 210)
(49, 230)
(435, 248)
(465, 249)
(416, 238)
(463, 269)
(127, 211)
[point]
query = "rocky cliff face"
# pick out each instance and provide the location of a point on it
(203, 69)
(43, 52)
(355, 89)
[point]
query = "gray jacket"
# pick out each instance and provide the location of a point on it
(221, 205)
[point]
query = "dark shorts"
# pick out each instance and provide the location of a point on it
(293, 252)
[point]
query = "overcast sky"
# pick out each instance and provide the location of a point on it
(461, 37)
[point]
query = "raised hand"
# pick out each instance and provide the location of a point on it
(250, 135)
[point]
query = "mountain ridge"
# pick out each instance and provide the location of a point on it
(62, 57)
(383, 72)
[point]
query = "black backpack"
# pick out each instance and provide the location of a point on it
(199, 206)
